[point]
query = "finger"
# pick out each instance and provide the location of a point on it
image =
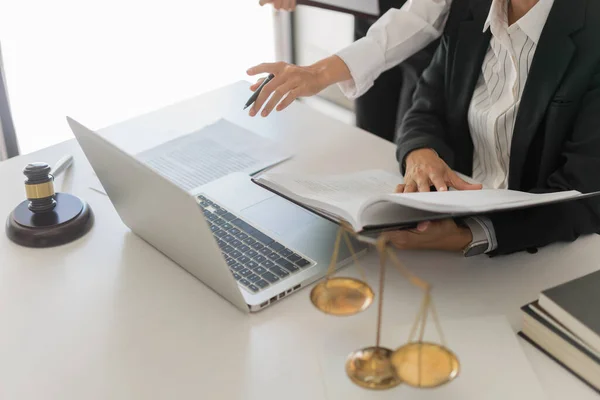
(257, 84)
(271, 68)
(291, 4)
(263, 2)
(438, 182)
(423, 226)
(460, 184)
(265, 93)
(400, 188)
(277, 4)
(398, 239)
(276, 98)
(410, 187)
(289, 99)
(423, 184)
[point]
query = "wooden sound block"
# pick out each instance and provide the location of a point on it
(68, 221)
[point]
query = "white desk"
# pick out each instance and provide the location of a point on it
(108, 317)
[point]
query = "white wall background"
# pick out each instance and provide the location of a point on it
(103, 61)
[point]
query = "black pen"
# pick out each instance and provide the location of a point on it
(254, 96)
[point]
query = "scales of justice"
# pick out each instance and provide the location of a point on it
(416, 363)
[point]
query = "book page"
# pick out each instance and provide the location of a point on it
(347, 192)
(370, 7)
(474, 201)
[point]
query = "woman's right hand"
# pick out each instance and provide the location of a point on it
(424, 168)
(292, 81)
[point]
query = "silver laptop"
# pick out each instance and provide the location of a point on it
(250, 246)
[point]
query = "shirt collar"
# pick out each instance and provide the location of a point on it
(531, 23)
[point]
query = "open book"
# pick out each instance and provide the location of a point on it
(366, 199)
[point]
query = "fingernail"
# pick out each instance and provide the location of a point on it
(264, 113)
(443, 189)
(252, 113)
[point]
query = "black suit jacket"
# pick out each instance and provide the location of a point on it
(556, 140)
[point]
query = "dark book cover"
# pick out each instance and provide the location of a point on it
(581, 299)
(564, 337)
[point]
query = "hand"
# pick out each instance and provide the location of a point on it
(287, 5)
(292, 81)
(424, 168)
(432, 235)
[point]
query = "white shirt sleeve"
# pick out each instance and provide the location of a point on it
(396, 36)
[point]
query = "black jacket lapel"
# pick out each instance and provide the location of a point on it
(551, 61)
(471, 48)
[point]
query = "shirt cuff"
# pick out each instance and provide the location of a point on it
(365, 60)
(488, 231)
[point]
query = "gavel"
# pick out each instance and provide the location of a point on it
(47, 218)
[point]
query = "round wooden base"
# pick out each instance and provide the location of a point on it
(71, 219)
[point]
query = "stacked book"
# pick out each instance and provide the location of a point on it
(564, 323)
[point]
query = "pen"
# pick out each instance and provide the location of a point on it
(254, 96)
(62, 165)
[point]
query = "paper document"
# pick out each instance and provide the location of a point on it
(493, 365)
(370, 7)
(212, 152)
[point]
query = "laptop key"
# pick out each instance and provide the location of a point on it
(243, 248)
(287, 265)
(221, 211)
(268, 264)
(286, 252)
(222, 243)
(234, 231)
(241, 235)
(294, 258)
(253, 288)
(280, 272)
(262, 238)
(303, 263)
(236, 243)
(245, 272)
(262, 283)
(250, 241)
(251, 264)
(245, 282)
(257, 246)
(259, 270)
(227, 249)
(237, 276)
(218, 221)
(227, 226)
(265, 251)
(270, 277)
(235, 254)
(273, 256)
(231, 261)
(201, 198)
(211, 217)
(236, 267)
(276, 246)
(243, 259)
(253, 278)
(228, 238)
(220, 233)
(260, 259)
(251, 253)
(214, 228)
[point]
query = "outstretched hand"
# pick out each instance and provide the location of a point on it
(287, 5)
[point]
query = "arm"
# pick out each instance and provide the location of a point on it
(399, 34)
(396, 36)
(580, 163)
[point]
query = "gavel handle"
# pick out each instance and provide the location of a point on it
(62, 165)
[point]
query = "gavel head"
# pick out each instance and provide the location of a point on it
(39, 187)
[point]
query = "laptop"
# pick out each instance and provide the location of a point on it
(247, 244)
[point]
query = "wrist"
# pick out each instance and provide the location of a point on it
(331, 70)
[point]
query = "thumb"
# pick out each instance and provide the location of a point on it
(459, 184)
(423, 226)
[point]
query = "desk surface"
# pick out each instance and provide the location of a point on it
(109, 317)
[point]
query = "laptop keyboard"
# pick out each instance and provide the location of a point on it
(256, 260)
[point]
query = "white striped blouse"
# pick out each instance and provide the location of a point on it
(493, 109)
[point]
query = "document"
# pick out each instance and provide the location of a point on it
(365, 7)
(493, 365)
(212, 152)
(366, 199)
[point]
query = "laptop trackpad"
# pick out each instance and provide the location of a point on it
(280, 217)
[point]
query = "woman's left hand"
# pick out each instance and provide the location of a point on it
(432, 235)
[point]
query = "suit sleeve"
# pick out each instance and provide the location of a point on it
(424, 125)
(580, 166)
